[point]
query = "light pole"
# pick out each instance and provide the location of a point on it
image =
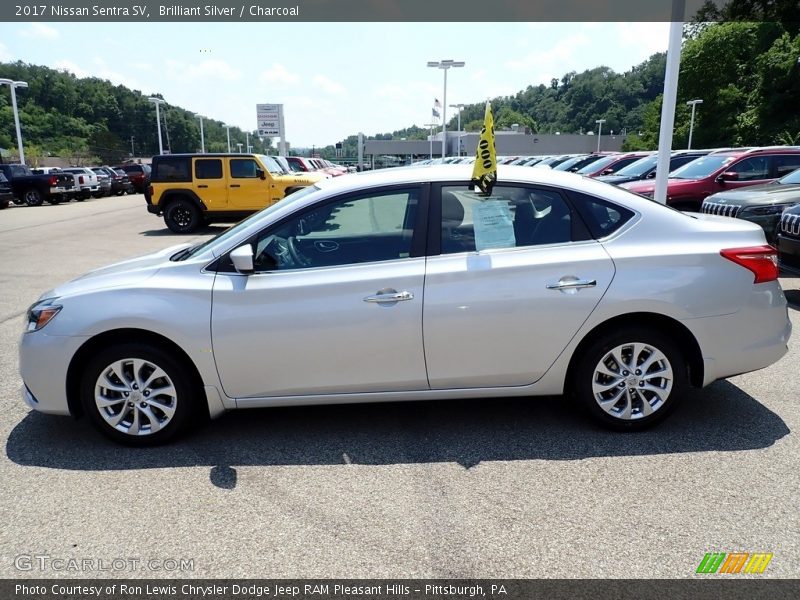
(202, 137)
(445, 65)
(158, 102)
(694, 104)
(599, 131)
(133, 150)
(228, 128)
(240, 146)
(458, 107)
(247, 141)
(14, 85)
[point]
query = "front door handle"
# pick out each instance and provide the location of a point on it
(233, 185)
(389, 296)
(571, 283)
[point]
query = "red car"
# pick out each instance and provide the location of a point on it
(138, 175)
(611, 163)
(690, 184)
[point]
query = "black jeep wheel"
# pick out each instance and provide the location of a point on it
(182, 216)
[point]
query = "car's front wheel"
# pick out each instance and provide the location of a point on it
(182, 216)
(137, 394)
(632, 379)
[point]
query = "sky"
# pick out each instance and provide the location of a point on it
(334, 79)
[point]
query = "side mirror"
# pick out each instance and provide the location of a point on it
(651, 175)
(260, 173)
(242, 258)
(727, 176)
(606, 171)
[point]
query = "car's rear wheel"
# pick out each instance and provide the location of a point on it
(182, 216)
(632, 379)
(137, 394)
(32, 197)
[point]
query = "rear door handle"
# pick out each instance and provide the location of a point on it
(571, 283)
(234, 185)
(389, 296)
(202, 186)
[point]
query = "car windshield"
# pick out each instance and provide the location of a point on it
(568, 163)
(271, 164)
(702, 167)
(231, 231)
(638, 168)
(597, 165)
(793, 177)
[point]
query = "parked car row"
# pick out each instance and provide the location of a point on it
(301, 164)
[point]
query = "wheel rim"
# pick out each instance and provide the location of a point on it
(182, 216)
(31, 197)
(632, 381)
(135, 396)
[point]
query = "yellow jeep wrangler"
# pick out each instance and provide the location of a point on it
(190, 190)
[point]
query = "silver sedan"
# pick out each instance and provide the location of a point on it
(406, 284)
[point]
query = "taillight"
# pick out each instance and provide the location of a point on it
(53, 181)
(762, 261)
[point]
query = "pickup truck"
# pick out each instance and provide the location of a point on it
(6, 196)
(31, 189)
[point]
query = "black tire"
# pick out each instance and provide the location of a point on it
(182, 216)
(182, 403)
(4, 204)
(660, 405)
(32, 197)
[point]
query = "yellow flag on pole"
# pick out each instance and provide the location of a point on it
(484, 171)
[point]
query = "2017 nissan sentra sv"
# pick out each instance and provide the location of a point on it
(405, 284)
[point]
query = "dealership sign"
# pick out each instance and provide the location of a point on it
(270, 120)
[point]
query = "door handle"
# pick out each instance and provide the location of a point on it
(389, 296)
(571, 283)
(202, 186)
(234, 185)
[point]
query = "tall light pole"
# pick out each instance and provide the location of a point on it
(14, 85)
(599, 131)
(247, 141)
(228, 127)
(240, 146)
(694, 104)
(202, 137)
(445, 65)
(158, 102)
(458, 107)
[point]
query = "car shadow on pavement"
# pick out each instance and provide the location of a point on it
(720, 418)
(793, 298)
(165, 232)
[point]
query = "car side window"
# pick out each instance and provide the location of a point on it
(511, 217)
(601, 216)
(243, 168)
(751, 169)
(173, 169)
(352, 230)
(208, 168)
(786, 163)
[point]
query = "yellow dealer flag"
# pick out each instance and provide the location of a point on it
(484, 173)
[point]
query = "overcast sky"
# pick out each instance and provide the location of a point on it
(334, 79)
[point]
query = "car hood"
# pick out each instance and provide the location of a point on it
(305, 179)
(617, 179)
(127, 272)
(765, 194)
(649, 186)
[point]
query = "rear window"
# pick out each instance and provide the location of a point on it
(172, 169)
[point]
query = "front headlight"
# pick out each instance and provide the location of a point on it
(41, 313)
(775, 209)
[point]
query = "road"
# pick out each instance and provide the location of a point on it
(500, 488)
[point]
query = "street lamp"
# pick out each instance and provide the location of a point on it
(228, 128)
(14, 85)
(458, 107)
(445, 65)
(247, 141)
(694, 104)
(158, 102)
(599, 131)
(202, 138)
(240, 146)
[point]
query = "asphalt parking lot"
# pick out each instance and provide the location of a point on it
(501, 488)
